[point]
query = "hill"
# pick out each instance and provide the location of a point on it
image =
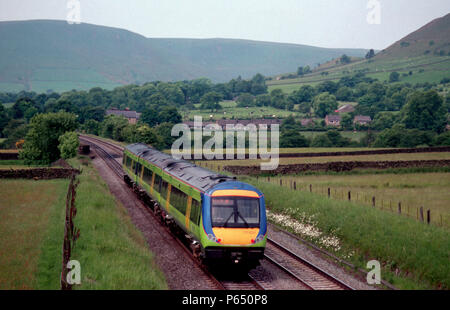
(40, 55)
(433, 38)
(422, 56)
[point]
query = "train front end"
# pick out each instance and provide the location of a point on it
(234, 224)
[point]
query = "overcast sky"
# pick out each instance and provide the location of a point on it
(325, 23)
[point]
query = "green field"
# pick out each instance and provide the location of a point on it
(413, 255)
(113, 254)
(412, 190)
(32, 229)
(231, 111)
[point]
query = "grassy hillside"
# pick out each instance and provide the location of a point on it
(423, 56)
(42, 55)
(433, 38)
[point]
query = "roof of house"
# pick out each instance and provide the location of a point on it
(333, 118)
(223, 122)
(362, 118)
(124, 113)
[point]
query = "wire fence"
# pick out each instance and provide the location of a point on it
(420, 213)
(71, 233)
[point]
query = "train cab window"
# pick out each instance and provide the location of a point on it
(178, 199)
(147, 177)
(195, 212)
(235, 212)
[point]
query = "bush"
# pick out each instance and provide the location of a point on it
(68, 144)
(41, 141)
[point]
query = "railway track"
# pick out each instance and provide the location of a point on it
(245, 283)
(310, 275)
(306, 273)
(361, 273)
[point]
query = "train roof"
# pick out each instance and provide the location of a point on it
(198, 177)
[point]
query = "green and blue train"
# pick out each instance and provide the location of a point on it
(224, 219)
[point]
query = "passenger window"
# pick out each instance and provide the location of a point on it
(195, 212)
(178, 199)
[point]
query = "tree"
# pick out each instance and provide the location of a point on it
(245, 100)
(337, 139)
(344, 93)
(211, 101)
(278, 99)
(112, 127)
(258, 85)
(347, 121)
(169, 115)
(370, 54)
(304, 94)
(41, 141)
(324, 104)
(425, 111)
(443, 139)
(399, 136)
(4, 119)
(68, 144)
(293, 138)
(321, 141)
(345, 59)
(263, 100)
(394, 77)
(150, 116)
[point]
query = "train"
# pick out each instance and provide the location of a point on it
(224, 220)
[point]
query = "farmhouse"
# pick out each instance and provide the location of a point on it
(224, 122)
(132, 116)
(333, 120)
(362, 120)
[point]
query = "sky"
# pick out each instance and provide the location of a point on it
(324, 23)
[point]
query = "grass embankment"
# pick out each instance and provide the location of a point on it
(413, 255)
(413, 190)
(112, 253)
(31, 230)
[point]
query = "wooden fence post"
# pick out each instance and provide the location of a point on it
(428, 216)
(295, 185)
(329, 192)
(281, 182)
(310, 188)
(421, 214)
(400, 207)
(349, 195)
(373, 201)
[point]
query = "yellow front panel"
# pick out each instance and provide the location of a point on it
(235, 236)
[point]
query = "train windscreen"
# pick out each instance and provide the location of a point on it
(235, 212)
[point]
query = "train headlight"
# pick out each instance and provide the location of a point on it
(212, 237)
(259, 238)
